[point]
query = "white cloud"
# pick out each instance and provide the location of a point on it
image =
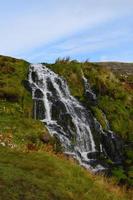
(87, 42)
(30, 24)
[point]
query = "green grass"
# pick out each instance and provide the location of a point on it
(99, 116)
(43, 175)
(12, 73)
(71, 71)
(115, 98)
(16, 124)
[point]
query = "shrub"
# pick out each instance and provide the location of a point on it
(100, 116)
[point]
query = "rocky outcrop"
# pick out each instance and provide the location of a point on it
(72, 123)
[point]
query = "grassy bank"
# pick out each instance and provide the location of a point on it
(115, 97)
(114, 100)
(42, 175)
(17, 128)
(30, 169)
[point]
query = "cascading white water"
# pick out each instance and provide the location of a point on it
(88, 88)
(63, 114)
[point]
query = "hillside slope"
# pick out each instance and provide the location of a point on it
(30, 168)
(42, 175)
(17, 128)
(114, 101)
(115, 96)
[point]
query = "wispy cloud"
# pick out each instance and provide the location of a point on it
(43, 30)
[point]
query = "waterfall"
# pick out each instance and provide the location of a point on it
(89, 93)
(64, 116)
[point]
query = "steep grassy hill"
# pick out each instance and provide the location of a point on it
(31, 169)
(115, 97)
(45, 176)
(16, 124)
(114, 100)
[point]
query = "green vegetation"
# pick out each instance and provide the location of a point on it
(46, 176)
(71, 71)
(115, 99)
(12, 73)
(17, 128)
(99, 116)
(31, 163)
(120, 175)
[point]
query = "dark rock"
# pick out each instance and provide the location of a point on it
(91, 97)
(34, 77)
(27, 86)
(93, 155)
(45, 138)
(39, 109)
(52, 89)
(113, 146)
(71, 122)
(38, 94)
(58, 109)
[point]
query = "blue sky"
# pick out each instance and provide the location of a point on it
(43, 30)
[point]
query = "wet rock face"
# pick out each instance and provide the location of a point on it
(64, 119)
(90, 98)
(93, 155)
(34, 76)
(27, 85)
(52, 90)
(39, 109)
(90, 95)
(71, 122)
(113, 146)
(58, 109)
(38, 94)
